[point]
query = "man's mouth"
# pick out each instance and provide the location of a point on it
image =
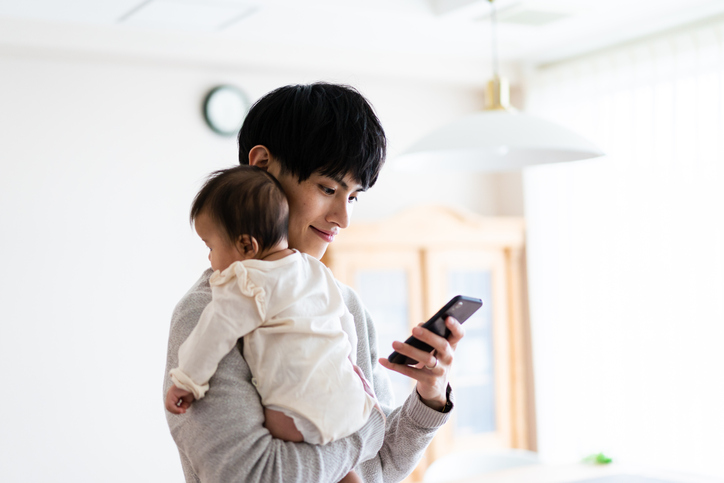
(327, 236)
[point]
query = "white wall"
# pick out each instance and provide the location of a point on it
(100, 157)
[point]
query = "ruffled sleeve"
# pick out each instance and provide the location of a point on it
(246, 286)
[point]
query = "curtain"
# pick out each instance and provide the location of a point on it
(626, 265)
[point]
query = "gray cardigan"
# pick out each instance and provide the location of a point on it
(222, 438)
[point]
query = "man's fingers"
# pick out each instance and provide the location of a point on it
(421, 375)
(422, 357)
(457, 331)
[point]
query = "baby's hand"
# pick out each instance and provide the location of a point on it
(178, 400)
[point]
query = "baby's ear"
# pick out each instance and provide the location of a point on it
(247, 246)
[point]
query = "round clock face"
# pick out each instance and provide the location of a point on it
(224, 109)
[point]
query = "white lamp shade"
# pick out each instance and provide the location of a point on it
(495, 141)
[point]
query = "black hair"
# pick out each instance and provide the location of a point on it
(245, 200)
(326, 128)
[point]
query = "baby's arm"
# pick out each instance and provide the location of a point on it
(178, 400)
(228, 317)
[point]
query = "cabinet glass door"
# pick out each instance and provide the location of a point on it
(474, 363)
(481, 373)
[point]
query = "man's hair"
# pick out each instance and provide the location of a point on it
(245, 200)
(325, 128)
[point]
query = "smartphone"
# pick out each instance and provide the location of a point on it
(460, 307)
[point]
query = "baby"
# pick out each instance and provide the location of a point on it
(297, 333)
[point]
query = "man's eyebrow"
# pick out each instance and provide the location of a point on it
(340, 179)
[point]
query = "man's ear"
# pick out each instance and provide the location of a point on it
(247, 246)
(260, 157)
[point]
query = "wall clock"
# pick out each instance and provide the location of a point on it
(225, 107)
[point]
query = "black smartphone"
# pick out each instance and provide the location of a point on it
(459, 307)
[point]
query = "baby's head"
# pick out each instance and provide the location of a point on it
(240, 213)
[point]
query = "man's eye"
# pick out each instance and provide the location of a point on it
(326, 190)
(352, 199)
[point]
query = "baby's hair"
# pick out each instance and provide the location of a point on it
(245, 200)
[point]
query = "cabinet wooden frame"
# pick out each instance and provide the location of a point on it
(425, 240)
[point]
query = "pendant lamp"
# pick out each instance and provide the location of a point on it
(497, 139)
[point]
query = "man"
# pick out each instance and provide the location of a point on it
(325, 145)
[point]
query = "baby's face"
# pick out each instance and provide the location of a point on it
(222, 252)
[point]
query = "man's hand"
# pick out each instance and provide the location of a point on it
(433, 370)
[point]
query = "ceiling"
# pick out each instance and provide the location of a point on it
(436, 39)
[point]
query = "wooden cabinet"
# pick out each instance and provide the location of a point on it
(406, 267)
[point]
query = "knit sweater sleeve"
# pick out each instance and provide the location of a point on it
(221, 438)
(410, 427)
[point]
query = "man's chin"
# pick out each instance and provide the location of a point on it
(316, 250)
(319, 253)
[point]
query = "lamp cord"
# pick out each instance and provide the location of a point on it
(494, 28)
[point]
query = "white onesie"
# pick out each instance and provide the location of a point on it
(298, 336)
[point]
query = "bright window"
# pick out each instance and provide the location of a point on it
(626, 255)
